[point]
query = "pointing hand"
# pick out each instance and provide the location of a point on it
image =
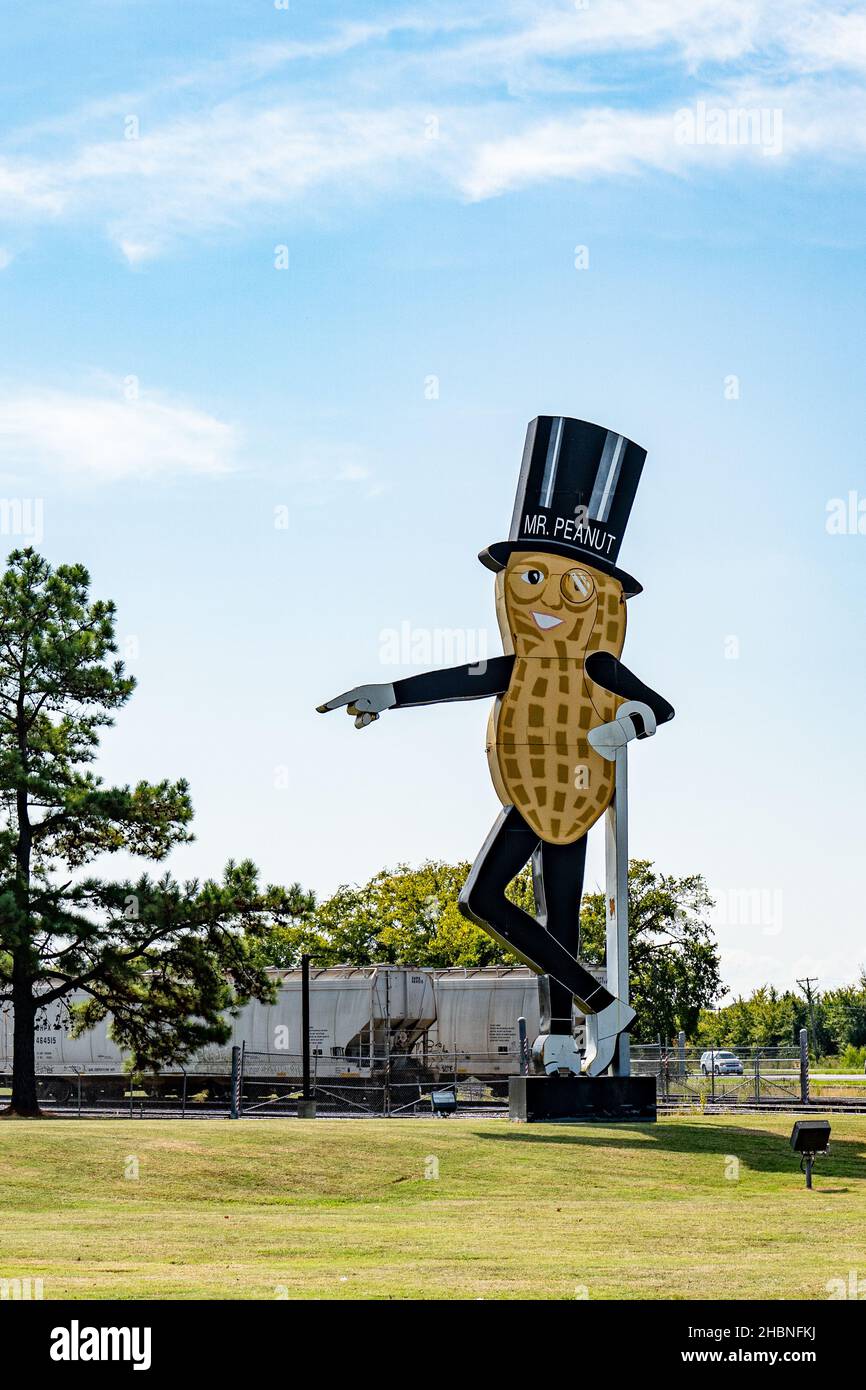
(365, 702)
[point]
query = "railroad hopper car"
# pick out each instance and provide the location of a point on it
(419, 1024)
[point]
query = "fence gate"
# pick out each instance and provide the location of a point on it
(723, 1076)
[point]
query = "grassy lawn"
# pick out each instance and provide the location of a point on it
(330, 1209)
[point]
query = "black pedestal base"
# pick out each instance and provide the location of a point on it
(534, 1098)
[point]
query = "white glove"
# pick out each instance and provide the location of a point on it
(607, 738)
(365, 702)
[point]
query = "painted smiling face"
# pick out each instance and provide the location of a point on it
(555, 607)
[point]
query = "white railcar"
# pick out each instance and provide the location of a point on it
(477, 1012)
(362, 1019)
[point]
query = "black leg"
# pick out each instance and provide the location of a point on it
(507, 848)
(557, 875)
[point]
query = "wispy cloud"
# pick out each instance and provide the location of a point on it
(198, 174)
(770, 36)
(599, 142)
(105, 438)
(208, 173)
(470, 102)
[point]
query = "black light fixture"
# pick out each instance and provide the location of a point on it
(443, 1100)
(809, 1138)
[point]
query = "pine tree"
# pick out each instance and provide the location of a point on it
(165, 959)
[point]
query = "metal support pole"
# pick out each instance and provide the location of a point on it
(681, 1049)
(387, 1097)
(523, 1046)
(809, 1161)
(634, 719)
(804, 1066)
(616, 906)
(236, 1086)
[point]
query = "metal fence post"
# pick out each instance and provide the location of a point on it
(681, 1047)
(307, 1103)
(183, 1097)
(236, 1083)
(757, 1073)
(305, 1024)
(804, 1066)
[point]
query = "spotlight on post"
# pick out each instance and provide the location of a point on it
(809, 1138)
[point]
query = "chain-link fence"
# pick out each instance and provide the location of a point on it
(398, 1084)
(724, 1076)
(405, 1085)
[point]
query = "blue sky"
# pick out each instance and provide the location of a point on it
(258, 465)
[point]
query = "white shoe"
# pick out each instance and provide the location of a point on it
(602, 1032)
(556, 1053)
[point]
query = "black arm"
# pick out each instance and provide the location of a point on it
(456, 683)
(610, 674)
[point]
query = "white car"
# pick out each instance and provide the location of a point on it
(721, 1063)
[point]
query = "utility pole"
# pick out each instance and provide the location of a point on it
(806, 987)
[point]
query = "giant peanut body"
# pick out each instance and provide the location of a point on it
(553, 613)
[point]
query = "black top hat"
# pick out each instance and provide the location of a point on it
(574, 495)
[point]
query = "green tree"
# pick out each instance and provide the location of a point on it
(843, 1014)
(766, 1019)
(291, 934)
(403, 916)
(164, 958)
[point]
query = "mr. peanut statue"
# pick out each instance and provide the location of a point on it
(561, 606)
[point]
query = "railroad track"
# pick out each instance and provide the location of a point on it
(215, 1110)
(219, 1110)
